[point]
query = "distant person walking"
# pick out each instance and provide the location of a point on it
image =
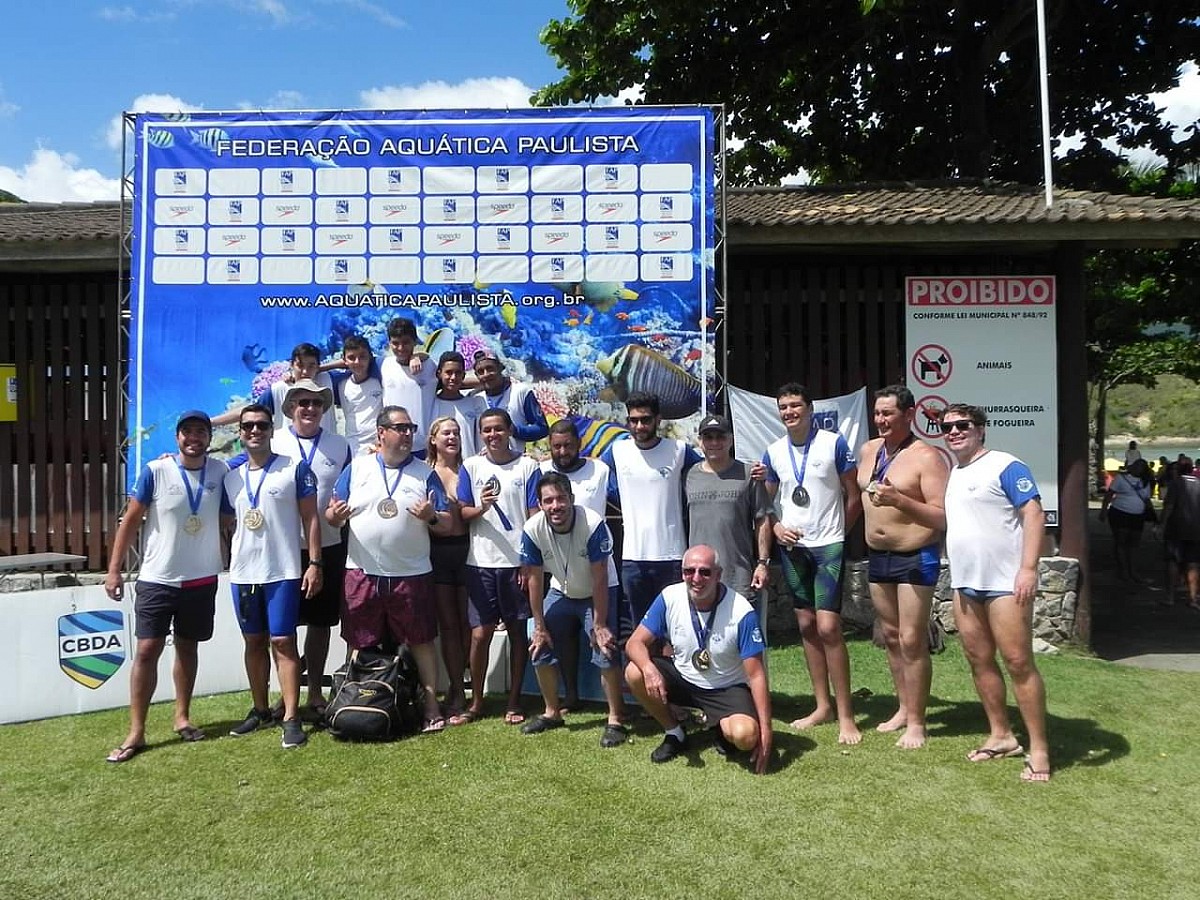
(1126, 507)
(1181, 531)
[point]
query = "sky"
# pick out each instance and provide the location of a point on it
(68, 70)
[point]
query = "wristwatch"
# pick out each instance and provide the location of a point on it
(765, 562)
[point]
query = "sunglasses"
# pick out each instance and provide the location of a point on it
(702, 571)
(400, 427)
(957, 425)
(640, 420)
(309, 402)
(255, 426)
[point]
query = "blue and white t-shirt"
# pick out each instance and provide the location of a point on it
(360, 402)
(823, 520)
(466, 411)
(567, 557)
(496, 535)
(413, 392)
(273, 398)
(983, 520)
(326, 454)
(171, 556)
(522, 406)
(735, 634)
(270, 553)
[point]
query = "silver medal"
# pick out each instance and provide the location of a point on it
(254, 519)
(800, 496)
(387, 508)
(193, 524)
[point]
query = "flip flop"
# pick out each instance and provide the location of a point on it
(463, 718)
(514, 717)
(189, 734)
(124, 753)
(1030, 775)
(433, 725)
(989, 754)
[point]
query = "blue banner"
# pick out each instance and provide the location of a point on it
(579, 244)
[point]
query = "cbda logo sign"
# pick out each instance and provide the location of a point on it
(91, 646)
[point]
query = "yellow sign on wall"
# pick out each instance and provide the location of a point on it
(8, 393)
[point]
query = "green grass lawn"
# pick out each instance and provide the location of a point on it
(482, 811)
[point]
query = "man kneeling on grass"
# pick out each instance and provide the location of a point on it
(717, 662)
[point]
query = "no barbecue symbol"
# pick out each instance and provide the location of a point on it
(929, 416)
(931, 365)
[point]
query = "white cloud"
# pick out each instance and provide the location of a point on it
(127, 15)
(163, 103)
(283, 99)
(52, 177)
(1181, 104)
(474, 93)
(375, 11)
(275, 9)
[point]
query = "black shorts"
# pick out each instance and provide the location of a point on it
(186, 611)
(448, 556)
(715, 703)
(919, 567)
(325, 609)
(1182, 553)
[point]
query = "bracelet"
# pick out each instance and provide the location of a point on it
(317, 563)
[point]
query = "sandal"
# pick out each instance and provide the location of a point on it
(125, 752)
(433, 725)
(988, 754)
(514, 717)
(189, 734)
(1030, 775)
(466, 717)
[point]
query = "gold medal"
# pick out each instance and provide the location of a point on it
(387, 508)
(193, 524)
(701, 659)
(254, 519)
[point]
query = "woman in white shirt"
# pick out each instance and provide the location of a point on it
(1125, 505)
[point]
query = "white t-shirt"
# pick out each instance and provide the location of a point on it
(397, 546)
(521, 404)
(589, 485)
(983, 521)
(567, 557)
(273, 400)
(270, 553)
(823, 520)
(466, 411)
(171, 555)
(414, 393)
(326, 460)
(496, 538)
(360, 402)
(648, 486)
(734, 636)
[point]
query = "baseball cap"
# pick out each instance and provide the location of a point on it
(194, 415)
(485, 353)
(715, 423)
(306, 386)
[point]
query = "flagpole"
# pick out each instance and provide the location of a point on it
(1044, 83)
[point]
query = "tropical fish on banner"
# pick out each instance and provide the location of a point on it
(756, 420)
(91, 646)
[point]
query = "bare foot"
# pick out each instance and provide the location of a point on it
(848, 733)
(912, 739)
(895, 723)
(818, 717)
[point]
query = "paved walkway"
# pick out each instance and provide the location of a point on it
(1130, 623)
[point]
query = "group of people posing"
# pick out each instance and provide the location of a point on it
(439, 524)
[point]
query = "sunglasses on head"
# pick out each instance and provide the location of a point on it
(400, 427)
(255, 426)
(702, 571)
(957, 425)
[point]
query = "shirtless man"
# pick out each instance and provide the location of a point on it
(903, 484)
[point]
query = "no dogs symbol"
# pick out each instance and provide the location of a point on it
(931, 365)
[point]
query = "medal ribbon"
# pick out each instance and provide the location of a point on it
(383, 471)
(253, 496)
(799, 473)
(704, 632)
(881, 455)
(311, 453)
(498, 401)
(194, 499)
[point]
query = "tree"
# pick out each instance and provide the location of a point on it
(1143, 315)
(914, 89)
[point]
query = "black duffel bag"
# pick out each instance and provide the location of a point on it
(375, 697)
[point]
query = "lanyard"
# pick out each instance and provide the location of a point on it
(253, 495)
(881, 456)
(311, 453)
(804, 459)
(500, 400)
(194, 498)
(704, 632)
(391, 489)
